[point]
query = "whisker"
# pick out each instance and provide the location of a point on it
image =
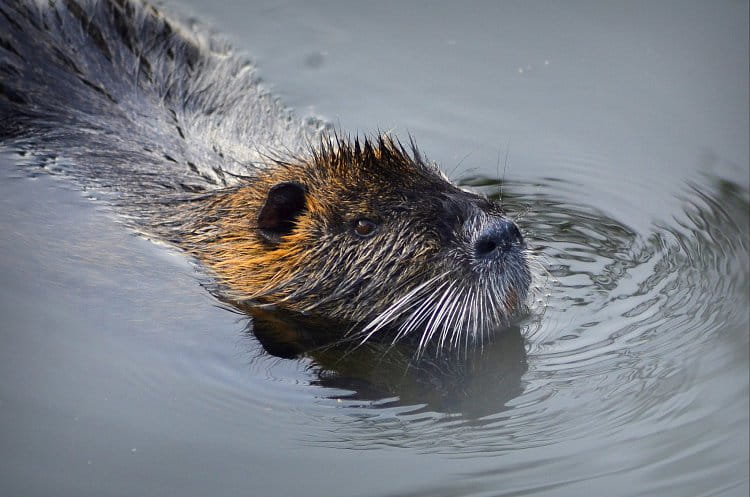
(435, 321)
(505, 168)
(394, 311)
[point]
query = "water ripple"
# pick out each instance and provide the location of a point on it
(620, 320)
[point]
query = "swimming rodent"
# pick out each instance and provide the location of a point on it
(165, 117)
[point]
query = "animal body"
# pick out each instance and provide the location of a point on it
(165, 117)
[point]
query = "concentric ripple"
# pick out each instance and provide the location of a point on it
(622, 330)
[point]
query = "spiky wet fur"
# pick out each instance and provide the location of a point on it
(165, 116)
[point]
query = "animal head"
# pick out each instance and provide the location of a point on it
(372, 233)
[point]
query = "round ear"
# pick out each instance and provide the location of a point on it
(284, 203)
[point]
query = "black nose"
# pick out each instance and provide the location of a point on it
(497, 237)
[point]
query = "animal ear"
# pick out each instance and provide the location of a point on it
(284, 203)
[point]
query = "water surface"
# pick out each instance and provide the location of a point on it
(625, 129)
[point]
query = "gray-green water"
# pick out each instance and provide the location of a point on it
(626, 129)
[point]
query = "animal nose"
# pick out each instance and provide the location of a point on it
(497, 237)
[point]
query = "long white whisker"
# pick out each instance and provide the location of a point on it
(437, 316)
(452, 316)
(419, 315)
(392, 313)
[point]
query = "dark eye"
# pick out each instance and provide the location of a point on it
(364, 227)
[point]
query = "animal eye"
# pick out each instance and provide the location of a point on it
(364, 227)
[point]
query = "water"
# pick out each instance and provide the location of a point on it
(625, 129)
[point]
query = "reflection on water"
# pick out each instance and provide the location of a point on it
(475, 383)
(636, 344)
(119, 375)
(618, 318)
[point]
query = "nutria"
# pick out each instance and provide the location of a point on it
(165, 117)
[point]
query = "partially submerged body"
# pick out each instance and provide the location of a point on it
(283, 213)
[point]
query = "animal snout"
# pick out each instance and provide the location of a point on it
(496, 237)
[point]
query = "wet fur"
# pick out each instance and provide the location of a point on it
(166, 117)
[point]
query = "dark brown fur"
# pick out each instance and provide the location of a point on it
(166, 117)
